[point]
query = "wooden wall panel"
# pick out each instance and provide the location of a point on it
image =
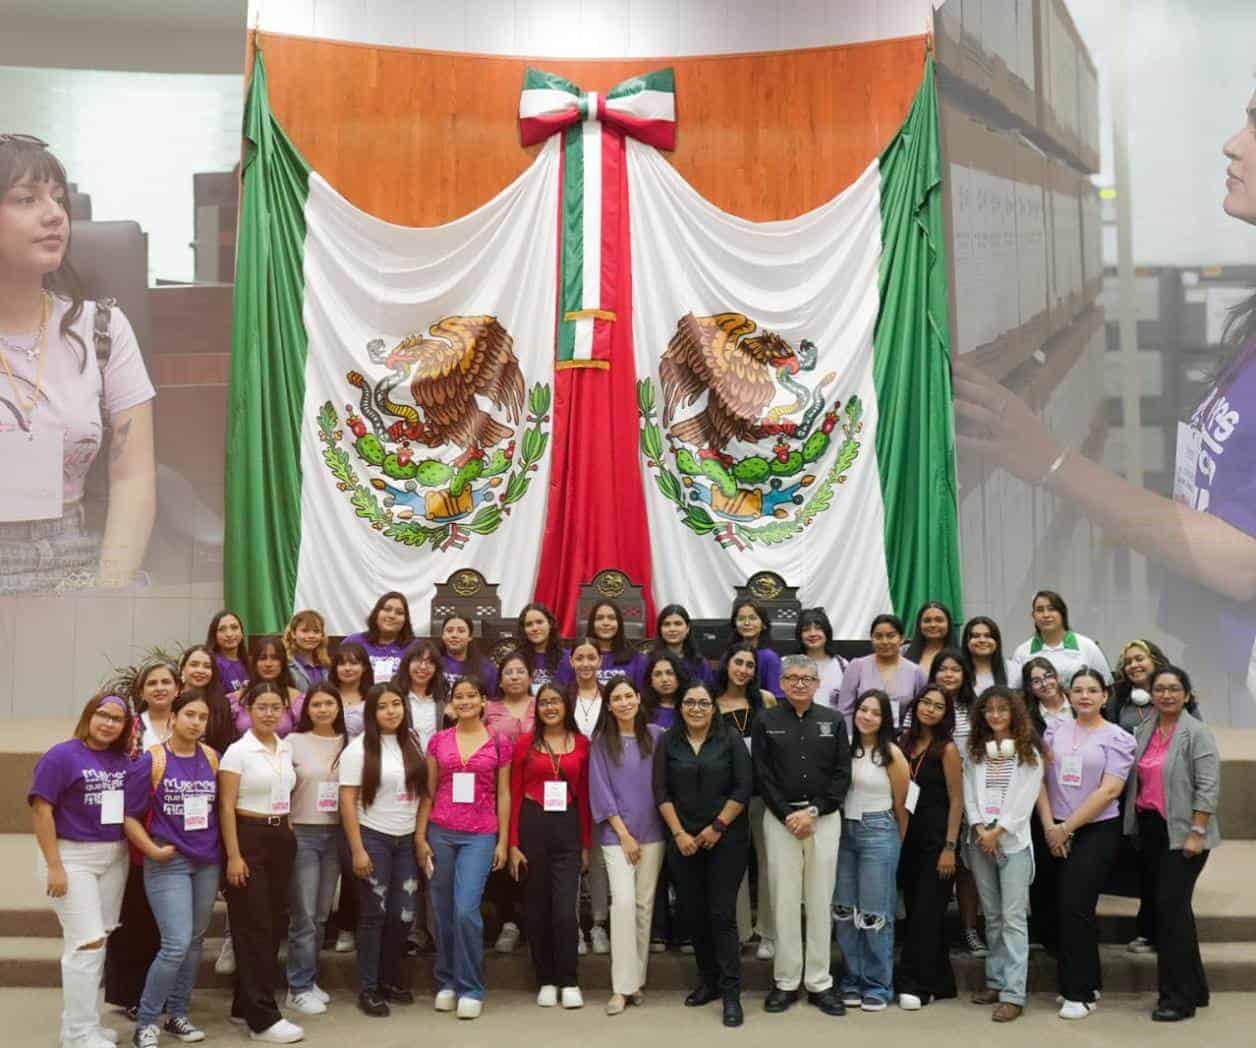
(421, 137)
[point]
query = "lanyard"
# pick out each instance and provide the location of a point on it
(556, 761)
(919, 763)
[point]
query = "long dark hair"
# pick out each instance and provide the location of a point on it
(211, 635)
(554, 643)
(754, 694)
(26, 157)
(258, 650)
(916, 645)
(569, 716)
(353, 650)
(305, 723)
(881, 753)
(1240, 329)
(606, 733)
(1029, 748)
(689, 646)
(621, 650)
(405, 635)
(967, 694)
(764, 639)
(411, 755)
(998, 664)
(650, 698)
(819, 618)
(940, 734)
(221, 728)
(401, 679)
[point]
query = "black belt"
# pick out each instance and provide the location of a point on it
(262, 820)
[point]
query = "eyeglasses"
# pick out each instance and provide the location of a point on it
(25, 140)
(1168, 689)
(793, 678)
(273, 711)
(550, 704)
(697, 704)
(110, 717)
(929, 705)
(1038, 682)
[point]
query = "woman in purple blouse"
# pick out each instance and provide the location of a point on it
(619, 657)
(886, 669)
(388, 633)
(225, 641)
(750, 622)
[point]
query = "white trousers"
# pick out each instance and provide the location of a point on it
(766, 923)
(632, 907)
(88, 912)
(803, 873)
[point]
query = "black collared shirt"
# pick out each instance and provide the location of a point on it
(799, 761)
(698, 784)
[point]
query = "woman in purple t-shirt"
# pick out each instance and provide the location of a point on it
(175, 785)
(78, 804)
(269, 664)
(225, 641)
(1090, 759)
(750, 622)
(388, 633)
(606, 628)
(459, 657)
(550, 662)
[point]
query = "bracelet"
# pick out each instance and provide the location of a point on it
(1059, 461)
(719, 825)
(949, 846)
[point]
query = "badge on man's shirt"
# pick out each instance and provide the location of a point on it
(826, 729)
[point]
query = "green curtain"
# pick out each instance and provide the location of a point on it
(268, 348)
(912, 369)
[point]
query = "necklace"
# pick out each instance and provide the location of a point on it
(33, 350)
(26, 405)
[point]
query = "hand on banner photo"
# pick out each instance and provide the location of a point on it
(998, 427)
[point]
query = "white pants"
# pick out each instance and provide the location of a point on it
(802, 872)
(88, 912)
(632, 907)
(766, 925)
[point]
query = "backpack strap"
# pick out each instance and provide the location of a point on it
(158, 753)
(211, 755)
(102, 340)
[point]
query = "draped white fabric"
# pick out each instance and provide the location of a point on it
(815, 278)
(366, 280)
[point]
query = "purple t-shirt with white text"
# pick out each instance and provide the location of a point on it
(562, 674)
(385, 658)
(184, 777)
(233, 673)
(456, 669)
(633, 668)
(73, 778)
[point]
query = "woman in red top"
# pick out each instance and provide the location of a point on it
(549, 840)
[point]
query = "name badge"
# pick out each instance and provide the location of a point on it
(1189, 443)
(853, 810)
(33, 464)
(1071, 770)
(404, 796)
(913, 795)
(992, 810)
(196, 812)
(556, 795)
(464, 787)
(111, 807)
(328, 797)
(894, 711)
(280, 801)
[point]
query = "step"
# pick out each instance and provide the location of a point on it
(28, 961)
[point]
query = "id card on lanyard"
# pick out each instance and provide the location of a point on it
(196, 812)
(1071, 763)
(913, 788)
(280, 793)
(555, 788)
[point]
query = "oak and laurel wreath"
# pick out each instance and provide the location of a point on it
(695, 517)
(366, 503)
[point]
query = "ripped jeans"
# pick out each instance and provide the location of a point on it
(386, 907)
(864, 902)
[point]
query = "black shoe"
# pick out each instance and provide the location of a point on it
(828, 1001)
(733, 1015)
(704, 994)
(396, 994)
(778, 1000)
(1171, 1015)
(371, 1003)
(411, 948)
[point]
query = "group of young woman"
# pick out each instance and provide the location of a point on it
(424, 779)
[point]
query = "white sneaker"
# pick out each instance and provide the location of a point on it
(909, 1002)
(226, 963)
(146, 1037)
(1141, 945)
(445, 1001)
(872, 1004)
(766, 950)
(547, 997)
(852, 998)
(508, 938)
(1059, 998)
(306, 1003)
(600, 940)
(345, 942)
(282, 1032)
(582, 945)
(1075, 1010)
(320, 993)
(469, 1008)
(572, 997)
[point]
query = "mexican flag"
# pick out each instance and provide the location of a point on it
(595, 369)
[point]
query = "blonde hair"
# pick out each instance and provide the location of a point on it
(306, 617)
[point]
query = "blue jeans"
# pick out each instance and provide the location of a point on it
(864, 903)
(314, 873)
(385, 907)
(181, 895)
(1003, 885)
(461, 864)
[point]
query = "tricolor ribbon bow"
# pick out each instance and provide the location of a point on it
(593, 247)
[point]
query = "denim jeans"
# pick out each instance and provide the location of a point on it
(181, 895)
(864, 903)
(385, 907)
(1003, 885)
(461, 864)
(314, 873)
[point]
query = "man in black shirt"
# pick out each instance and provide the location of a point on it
(802, 768)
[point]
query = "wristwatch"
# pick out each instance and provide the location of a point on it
(1201, 830)
(719, 825)
(813, 811)
(949, 846)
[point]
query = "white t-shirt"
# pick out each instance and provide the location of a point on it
(394, 810)
(424, 719)
(831, 670)
(266, 779)
(983, 679)
(1069, 656)
(587, 713)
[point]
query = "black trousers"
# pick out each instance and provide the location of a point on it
(924, 967)
(663, 922)
(1171, 877)
(345, 919)
(1043, 893)
(258, 913)
(1080, 880)
(550, 840)
(505, 895)
(706, 898)
(132, 946)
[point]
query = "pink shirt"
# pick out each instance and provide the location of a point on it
(481, 815)
(498, 718)
(1151, 774)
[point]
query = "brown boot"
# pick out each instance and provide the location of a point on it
(1006, 1013)
(986, 996)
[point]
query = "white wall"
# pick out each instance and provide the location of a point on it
(596, 28)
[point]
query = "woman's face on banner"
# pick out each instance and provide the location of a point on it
(34, 227)
(1240, 172)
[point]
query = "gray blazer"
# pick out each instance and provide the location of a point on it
(1192, 779)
